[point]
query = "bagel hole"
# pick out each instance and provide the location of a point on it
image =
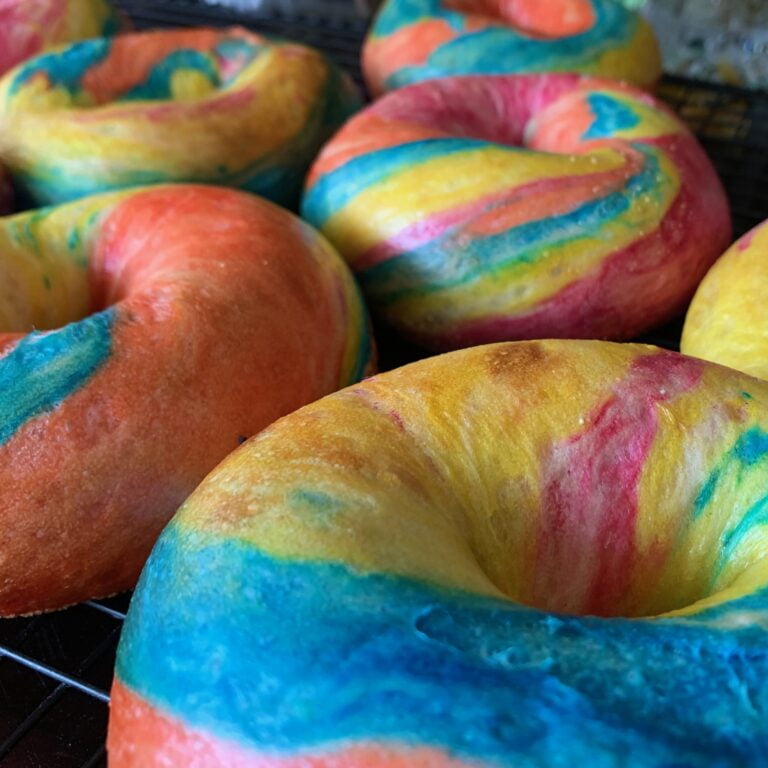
(542, 114)
(606, 522)
(45, 282)
(564, 593)
(534, 18)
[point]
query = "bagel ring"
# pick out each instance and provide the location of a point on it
(415, 40)
(481, 209)
(184, 319)
(533, 554)
(225, 107)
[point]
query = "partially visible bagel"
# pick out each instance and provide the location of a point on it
(219, 106)
(29, 27)
(727, 321)
(415, 40)
(540, 554)
(143, 336)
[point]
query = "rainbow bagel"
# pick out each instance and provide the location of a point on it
(217, 106)
(483, 209)
(727, 321)
(415, 40)
(27, 27)
(212, 313)
(456, 564)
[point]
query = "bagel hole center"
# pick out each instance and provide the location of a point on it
(46, 281)
(517, 116)
(587, 561)
(534, 18)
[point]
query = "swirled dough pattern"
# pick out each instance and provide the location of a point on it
(535, 554)
(223, 107)
(482, 209)
(415, 40)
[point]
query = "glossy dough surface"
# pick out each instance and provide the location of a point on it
(415, 40)
(218, 106)
(187, 319)
(483, 209)
(27, 27)
(392, 576)
(727, 321)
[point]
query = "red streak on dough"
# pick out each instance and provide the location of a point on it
(654, 265)
(22, 27)
(141, 736)
(590, 498)
(746, 241)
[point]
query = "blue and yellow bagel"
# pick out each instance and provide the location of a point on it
(539, 554)
(217, 106)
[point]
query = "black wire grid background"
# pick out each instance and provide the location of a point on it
(56, 669)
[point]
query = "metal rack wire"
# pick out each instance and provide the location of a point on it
(56, 669)
(732, 124)
(55, 674)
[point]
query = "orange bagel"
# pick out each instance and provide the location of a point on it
(208, 313)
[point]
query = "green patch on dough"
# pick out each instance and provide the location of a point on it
(322, 505)
(750, 449)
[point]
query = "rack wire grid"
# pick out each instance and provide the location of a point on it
(56, 669)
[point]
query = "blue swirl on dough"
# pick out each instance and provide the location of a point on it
(44, 369)
(63, 69)
(159, 80)
(749, 451)
(499, 50)
(610, 116)
(335, 189)
(286, 657)
(405, 275)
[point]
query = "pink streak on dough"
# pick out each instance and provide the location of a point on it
(591, 504)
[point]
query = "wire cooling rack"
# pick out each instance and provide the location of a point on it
(56, 669)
